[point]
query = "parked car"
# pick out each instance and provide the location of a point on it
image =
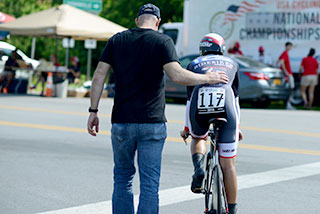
(259, 83)
(6, 50)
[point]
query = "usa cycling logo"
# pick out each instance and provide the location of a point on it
(223, 21)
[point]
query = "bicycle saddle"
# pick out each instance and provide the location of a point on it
(218, 121)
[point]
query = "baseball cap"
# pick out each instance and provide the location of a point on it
(75, 58)
(261, 49)
(149, 9)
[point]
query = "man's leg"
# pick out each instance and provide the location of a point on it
(42, 84)
(230, 181)
(292, 85)
(9, 80)
(2, 79)
(311, 95)
(149, 149)
(198, 150)
(124, 147)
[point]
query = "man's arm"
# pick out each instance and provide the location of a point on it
(300, 70)
(98, 81)
(184, 77)
(284, 67)
(74, 73)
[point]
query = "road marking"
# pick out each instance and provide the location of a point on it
(281, 131)
(50, 111)
(171, 139)
(249, 128)
(183, 193)
(49, 127)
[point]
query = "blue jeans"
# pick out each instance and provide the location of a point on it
(148, 140)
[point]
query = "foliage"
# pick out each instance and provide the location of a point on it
(122, 12)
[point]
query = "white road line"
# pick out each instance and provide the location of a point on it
(182, 194)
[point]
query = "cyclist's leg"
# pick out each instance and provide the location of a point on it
(228, 166)
(198, 151)
(228, 145)
(198, 128)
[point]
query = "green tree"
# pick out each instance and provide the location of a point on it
(122, 12)
(45, 46)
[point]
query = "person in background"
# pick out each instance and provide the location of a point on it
(235, 49)
(44, 74)
(265, 59)
(309, 70)
(286, 68)
(42, 77)
(9, 71)
(74, 70)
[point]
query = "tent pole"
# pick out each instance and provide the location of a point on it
(66, 62)
(33, 47)
(89, 63)
(33, 50)
(57, 41)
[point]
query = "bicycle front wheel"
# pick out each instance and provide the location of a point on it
(219, 203)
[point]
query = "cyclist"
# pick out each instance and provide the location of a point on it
(210, 101)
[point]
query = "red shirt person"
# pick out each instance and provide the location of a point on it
(235, 49)
(309, 70)
(286, 68)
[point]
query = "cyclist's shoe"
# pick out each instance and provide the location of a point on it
(233, 208)
(197, 179)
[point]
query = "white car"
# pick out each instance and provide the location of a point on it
(6, 50)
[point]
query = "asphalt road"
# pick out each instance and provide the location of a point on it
(49, 163)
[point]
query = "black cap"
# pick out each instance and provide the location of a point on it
(149, 9)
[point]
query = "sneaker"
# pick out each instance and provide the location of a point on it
(290, 107)
(32, 87)
(197, 178)
(5, 90)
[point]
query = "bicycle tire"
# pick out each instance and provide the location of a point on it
(208, 183)
(219, 202)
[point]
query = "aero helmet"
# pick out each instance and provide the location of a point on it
(212, 43)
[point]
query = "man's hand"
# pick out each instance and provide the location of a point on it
(184, 134)
(217, 77)
(240, 135)
(93, 124)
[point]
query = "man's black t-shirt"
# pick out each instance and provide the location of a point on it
(137, 57)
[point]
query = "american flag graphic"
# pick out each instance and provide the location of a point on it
(236, 11)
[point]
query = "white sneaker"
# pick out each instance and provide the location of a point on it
(290, 107)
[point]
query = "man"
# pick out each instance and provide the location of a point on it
(235, 49)
(138, 57)
(309, 70)
(213, 101)
(286, 68)
(265, 59)
(9, 71)
(74, 70)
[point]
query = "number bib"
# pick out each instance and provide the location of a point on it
(211, 100)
